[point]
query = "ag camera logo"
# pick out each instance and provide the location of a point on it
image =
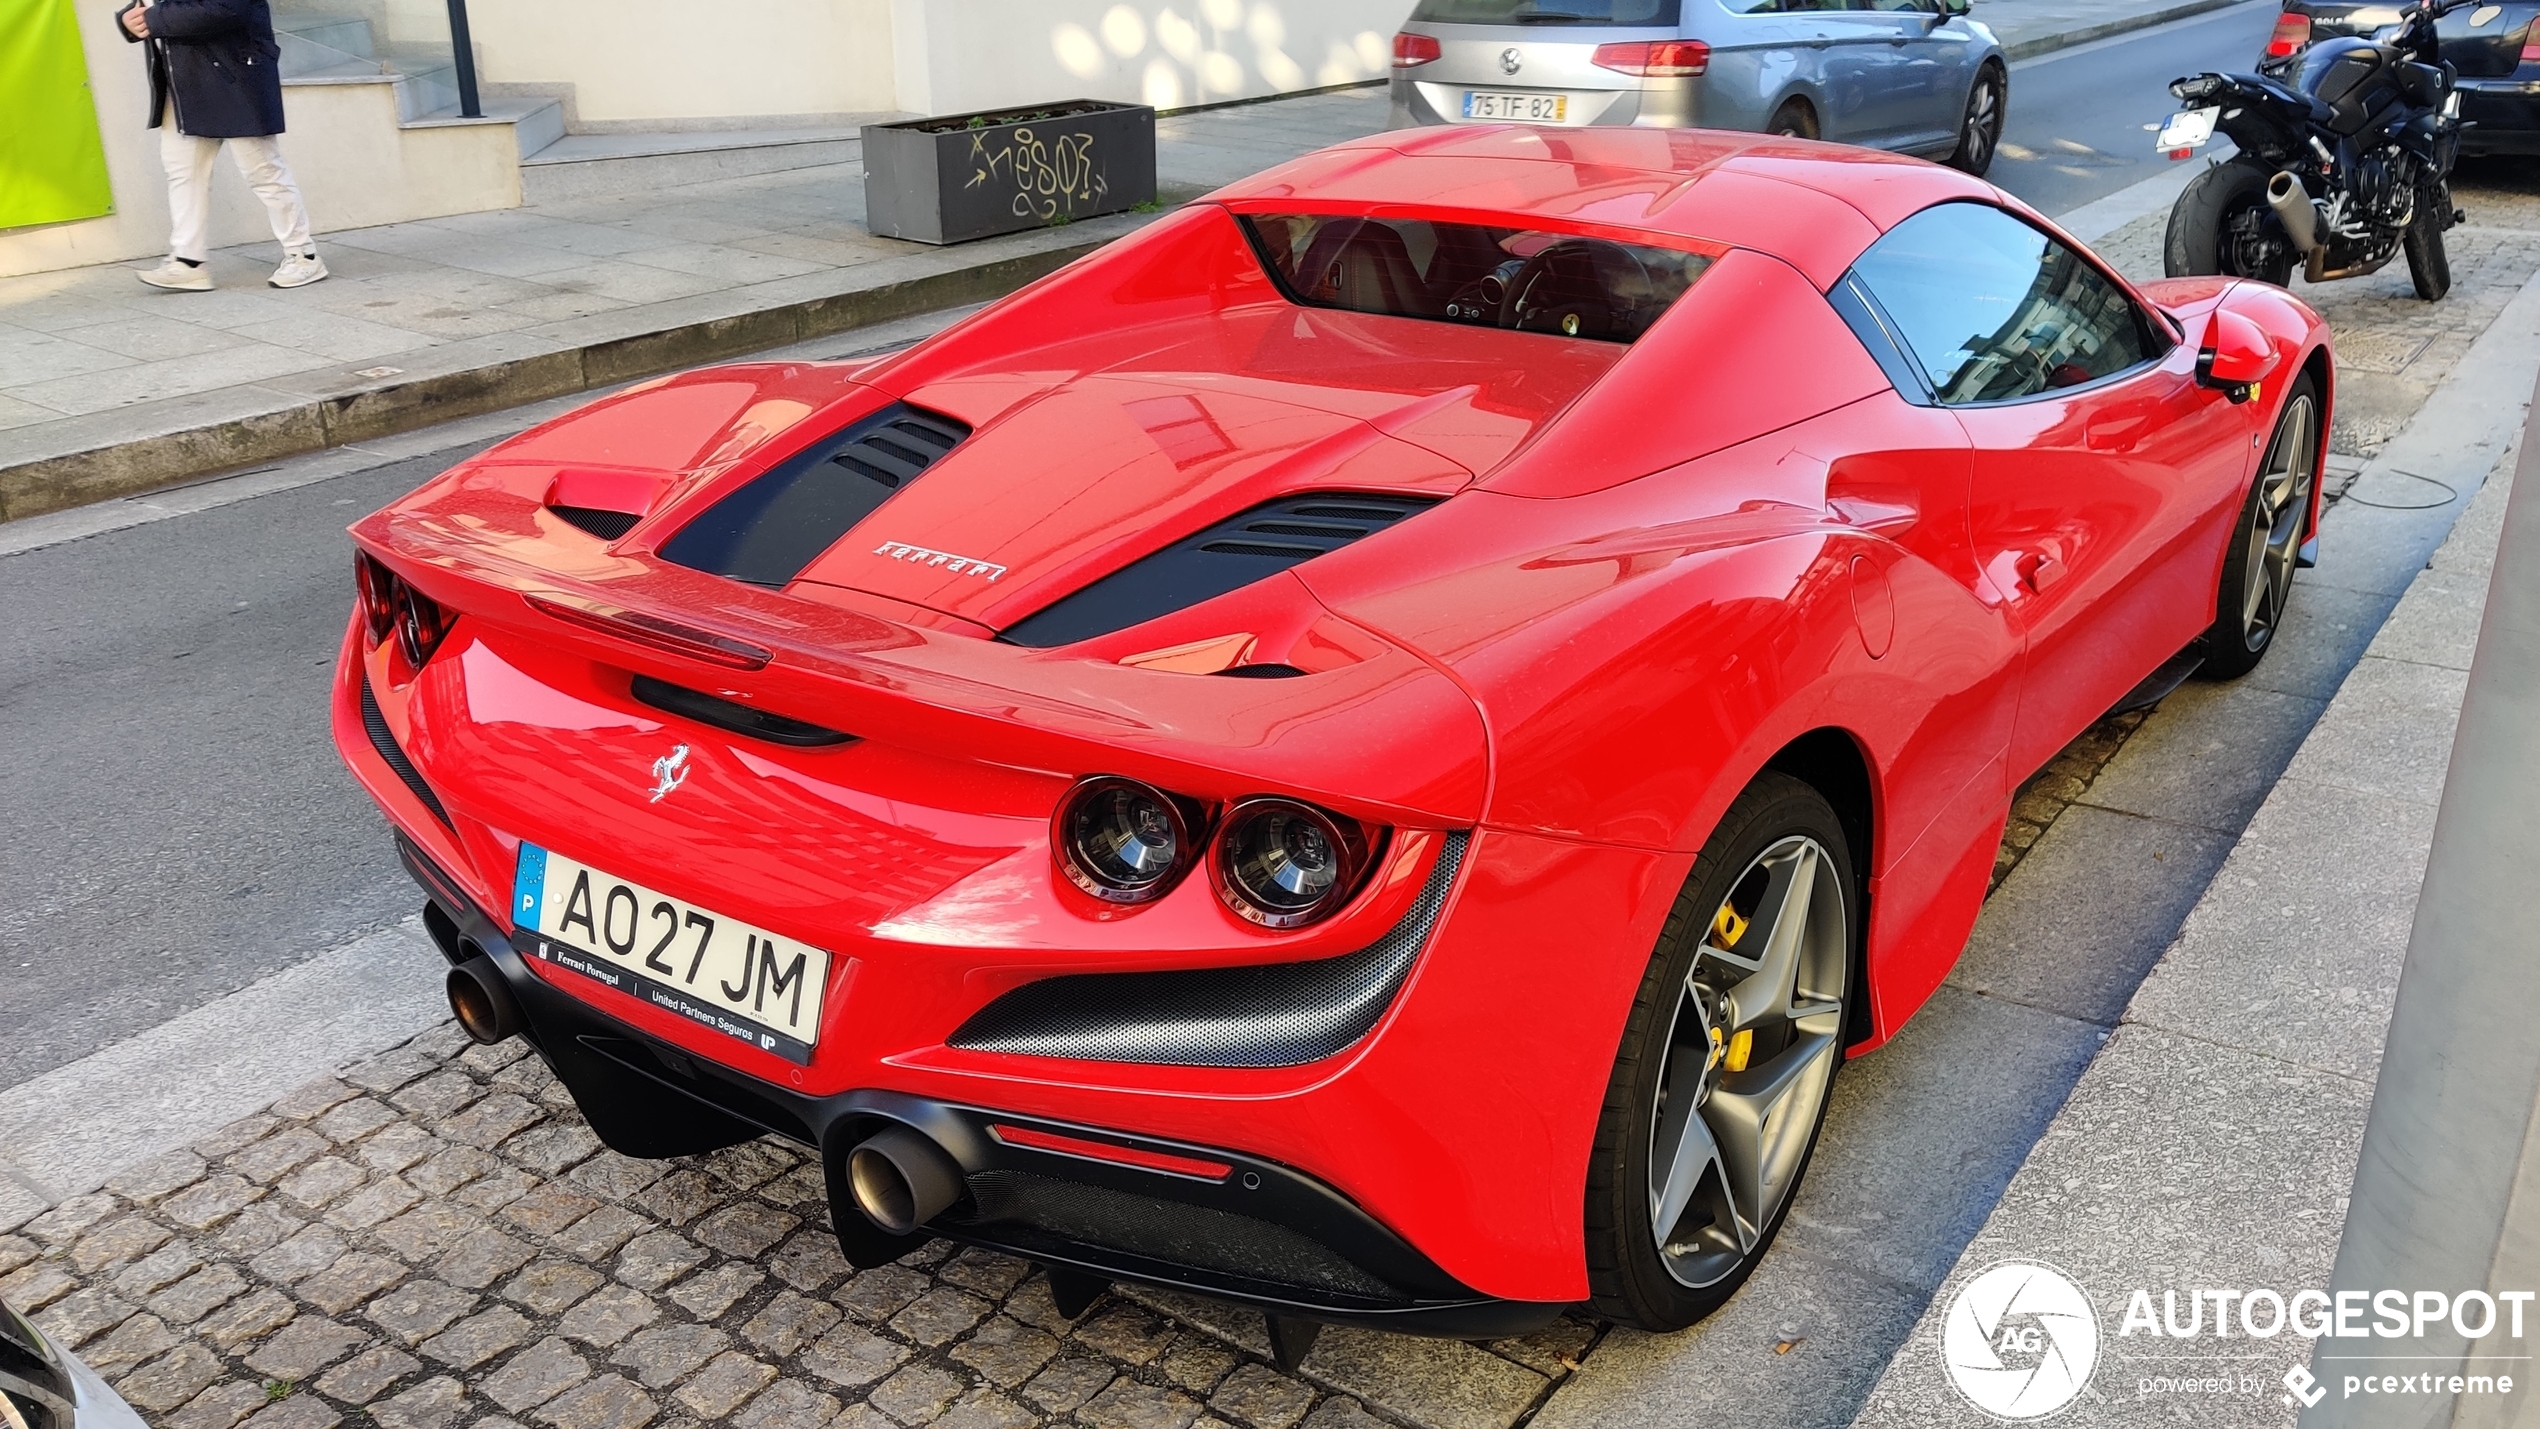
(2019, 1340)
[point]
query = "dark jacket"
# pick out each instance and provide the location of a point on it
(218, 58)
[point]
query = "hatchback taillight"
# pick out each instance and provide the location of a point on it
(2531, 45)
(392, 607)
(2292, 32)
(1410, 49)
(1655, 59)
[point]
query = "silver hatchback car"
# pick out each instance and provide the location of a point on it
(1912, 75)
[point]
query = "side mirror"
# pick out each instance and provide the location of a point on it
(2237, 355)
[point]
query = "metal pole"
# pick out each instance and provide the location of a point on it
(464, 51)
(2447, 1191)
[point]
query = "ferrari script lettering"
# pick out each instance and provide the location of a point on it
(952, 564)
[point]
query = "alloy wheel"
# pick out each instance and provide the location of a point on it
(1984, 124)
(1756, 1035)
(2274, 531)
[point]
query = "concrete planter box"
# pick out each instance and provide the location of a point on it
(964, 176)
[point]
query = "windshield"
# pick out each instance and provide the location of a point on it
(1520, 279)
(1655, 13)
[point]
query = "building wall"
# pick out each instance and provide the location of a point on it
(632, 61)
(953, 56)
(355, 166)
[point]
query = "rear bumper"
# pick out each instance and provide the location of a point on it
(2504, 115)
(1263, 1234)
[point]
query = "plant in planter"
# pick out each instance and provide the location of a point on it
(957, 177)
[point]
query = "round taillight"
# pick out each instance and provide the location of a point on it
(378, 587)
(1120, 840)
(1283, 864)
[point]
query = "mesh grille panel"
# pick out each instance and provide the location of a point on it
(1270, 1015)
(1020, 1204)
(605, 524)
(375, 725)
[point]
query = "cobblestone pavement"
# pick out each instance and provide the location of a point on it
(434, 1241)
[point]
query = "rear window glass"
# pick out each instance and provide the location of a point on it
(1521, 279)
(1548, 12)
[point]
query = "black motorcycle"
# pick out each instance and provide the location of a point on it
(2346, 150)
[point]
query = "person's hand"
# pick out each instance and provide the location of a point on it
(137, 20)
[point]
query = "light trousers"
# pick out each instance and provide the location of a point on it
(189, 164)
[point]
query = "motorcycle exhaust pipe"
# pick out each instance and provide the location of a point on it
(481, 1000)
(901, 1179)
(2292, 205)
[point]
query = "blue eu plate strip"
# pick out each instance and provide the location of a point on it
(528, 886)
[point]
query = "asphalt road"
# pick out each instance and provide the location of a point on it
(178, 825)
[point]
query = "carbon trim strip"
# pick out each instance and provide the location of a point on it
(375, 725)
(1264, 1015)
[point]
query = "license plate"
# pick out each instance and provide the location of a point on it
(740, 980)
(1526, 108)
(2187, 129)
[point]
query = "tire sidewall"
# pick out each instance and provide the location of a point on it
(1628, 1281)
(2191, 247)
(1988, 74)
(2227, 652)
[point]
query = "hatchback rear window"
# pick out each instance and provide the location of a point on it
(1656, 13)
(1524, 280)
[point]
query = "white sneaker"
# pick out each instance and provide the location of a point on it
(178, 276)
(298, 271)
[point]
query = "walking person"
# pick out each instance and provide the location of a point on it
(214, 81)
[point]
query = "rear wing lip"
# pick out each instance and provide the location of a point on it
(1392, 740)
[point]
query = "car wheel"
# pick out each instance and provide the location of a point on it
(1794, 120)
(2266, 543)
(2221, 225)
(1730, 1050)
(1980, 129)
(2428, 264)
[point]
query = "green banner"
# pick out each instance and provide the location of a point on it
(52, 163)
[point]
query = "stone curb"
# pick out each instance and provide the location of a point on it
(190, 451)
(2048, 44)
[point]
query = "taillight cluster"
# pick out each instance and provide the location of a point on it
(1274, 861)
(1410, 49)
(2292, 32)
(392, 607)
(1655, 59)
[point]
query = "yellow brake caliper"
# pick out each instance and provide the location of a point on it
(1726, 928)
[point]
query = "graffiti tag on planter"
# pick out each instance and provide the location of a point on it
(1045, 176)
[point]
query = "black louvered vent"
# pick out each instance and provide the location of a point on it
(605, 524)
(1227, 556)
(375, 725)
(1261, 1015)
(767, 531)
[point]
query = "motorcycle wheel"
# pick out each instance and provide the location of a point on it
(2199, 241)
(2427, 262)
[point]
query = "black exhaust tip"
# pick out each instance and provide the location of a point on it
(901, 1179)
(482, 1002)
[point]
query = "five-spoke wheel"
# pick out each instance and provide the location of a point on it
(1733, 1046)
(2257, 579)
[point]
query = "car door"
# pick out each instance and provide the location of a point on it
(1933, 68)
(2101, 468)
(1854, 62)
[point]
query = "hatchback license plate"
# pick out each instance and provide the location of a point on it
(740, 980)
(1527, 108)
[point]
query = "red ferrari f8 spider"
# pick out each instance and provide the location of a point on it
(1369, 749)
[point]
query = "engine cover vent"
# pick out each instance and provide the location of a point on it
(605, 524)
(1232, 554)
(768, 530)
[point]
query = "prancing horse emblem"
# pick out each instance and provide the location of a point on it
(669, 772)
(1510, 61)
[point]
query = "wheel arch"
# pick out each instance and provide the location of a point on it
(1831, 761)
(1803, 94)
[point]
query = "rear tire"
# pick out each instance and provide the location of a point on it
(1727, 1063)
(2199, 242)
(1980, 127)
(2266, 540)
(1794, 120)
(2428, 263)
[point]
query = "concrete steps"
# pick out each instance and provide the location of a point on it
(582, 166)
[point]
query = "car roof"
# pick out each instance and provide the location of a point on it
(1813, 205)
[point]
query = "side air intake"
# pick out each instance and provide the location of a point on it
(599, 521)
(375, 724)
(768, 530)
(1232, 554)
(1266, 1015)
